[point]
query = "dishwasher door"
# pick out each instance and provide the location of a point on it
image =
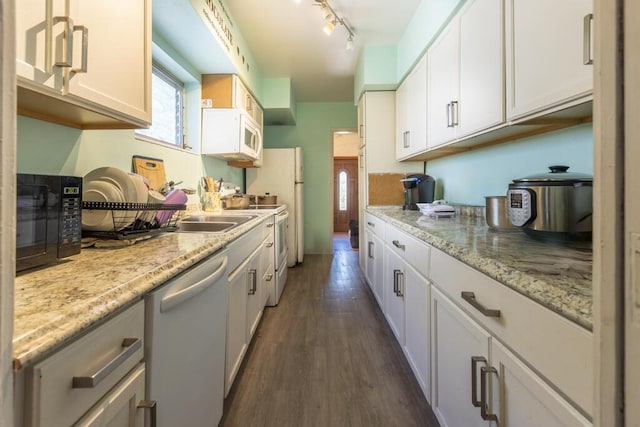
(185, 327)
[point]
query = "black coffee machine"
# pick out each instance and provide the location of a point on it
(418, 188)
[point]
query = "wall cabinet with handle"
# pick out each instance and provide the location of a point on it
(548, 55)
(411, 112)
(85, 65)
(465, 92)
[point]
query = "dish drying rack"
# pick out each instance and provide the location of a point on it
(132, 220)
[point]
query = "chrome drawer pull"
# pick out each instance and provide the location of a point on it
(471, 299)
(371, 224)
(269, 244)
(397, 244)
(269, 225)
(269, 277)
(370, 250)
(151, 405)
(484, 406)
(254, 280)
(474, 382)
(129, 346)
(586, 40)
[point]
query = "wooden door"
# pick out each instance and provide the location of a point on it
(345, 193)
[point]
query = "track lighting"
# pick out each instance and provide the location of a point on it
(332, 18)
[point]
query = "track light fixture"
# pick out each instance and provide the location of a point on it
(332, 18)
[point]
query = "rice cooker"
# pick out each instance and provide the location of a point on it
(556, 204)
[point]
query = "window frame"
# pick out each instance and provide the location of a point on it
(180, 134)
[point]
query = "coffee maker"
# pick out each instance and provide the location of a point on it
(418, 188)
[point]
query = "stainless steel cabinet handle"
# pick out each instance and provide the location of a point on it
(454, 113)
(129, 346)
(586, 40)
(400, 292)
(396, 273)
(270, 225)
(269, 277)
(449, 116)
(370, 250)
(254, 280)
(173, 300)
(361, 131)
(85, 48)
(67, 46)
(371, 224)
(470, 297)
(474, 382)
(269, 244)
(397, 244)
(151, 406)
(484, 406)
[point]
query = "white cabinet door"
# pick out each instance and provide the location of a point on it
(455, 340)
(523, 399)
(545, 49)
(117, 55)
(417, 345)
(443, 96)
(236, 344)
(253, 293)
(39, 43)
(411, 112)
(481, 66)
(378, 267)
(394, 293)
(119, 408)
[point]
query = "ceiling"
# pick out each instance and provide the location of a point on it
(287, 40)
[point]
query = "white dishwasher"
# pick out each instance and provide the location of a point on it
(185, 329)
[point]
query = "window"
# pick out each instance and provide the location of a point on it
(342, 186)
(167, 94)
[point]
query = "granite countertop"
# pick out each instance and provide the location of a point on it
(55, 304)
(556, 275)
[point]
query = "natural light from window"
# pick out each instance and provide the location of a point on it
(342, 185)
(168, 99)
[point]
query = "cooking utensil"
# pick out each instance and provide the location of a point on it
(152, 169)
(236, 201)
(557, 204)
(266, 199)
(496, 214)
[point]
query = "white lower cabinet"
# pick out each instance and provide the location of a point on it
(456, 339)
(374, 265)
(479, 382)
(121, 407)
(406, 309)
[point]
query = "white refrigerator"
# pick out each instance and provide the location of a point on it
(281, 174)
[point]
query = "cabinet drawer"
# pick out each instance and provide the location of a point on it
(57, 392)
(243, 246)
(557, 348)
(412, 250)
(375, 224)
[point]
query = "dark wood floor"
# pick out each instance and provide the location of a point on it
(325, 356)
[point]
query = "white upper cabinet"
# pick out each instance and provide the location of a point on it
(466, 78)
(411, 112)
(547, 45)
(85, 64)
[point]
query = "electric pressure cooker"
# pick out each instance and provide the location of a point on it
(556, 204)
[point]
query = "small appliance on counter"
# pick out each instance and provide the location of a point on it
(418, 188)
(556, 204)
(48, 219)
(496, 214)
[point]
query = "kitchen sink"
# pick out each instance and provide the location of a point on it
(212, 223)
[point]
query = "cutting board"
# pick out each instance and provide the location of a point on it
(152, 169)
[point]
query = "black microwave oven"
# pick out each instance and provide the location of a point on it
(48, 219)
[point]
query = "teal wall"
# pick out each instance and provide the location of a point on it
(467, 178)
(313, 132)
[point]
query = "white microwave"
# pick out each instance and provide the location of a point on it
(230, 133)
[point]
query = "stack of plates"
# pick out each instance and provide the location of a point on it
(436, 210)
(109, 184)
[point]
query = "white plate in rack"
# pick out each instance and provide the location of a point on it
(103, 220)
(121, 178)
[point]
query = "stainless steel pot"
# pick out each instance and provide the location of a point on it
(236, 201)
(496, 214)
(556, 204)
(266, 199)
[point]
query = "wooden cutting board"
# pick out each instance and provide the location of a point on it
(150, 168)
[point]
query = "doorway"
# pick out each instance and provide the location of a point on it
(345, 183)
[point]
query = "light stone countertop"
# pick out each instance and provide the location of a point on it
(556, 275)
(55, 304)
